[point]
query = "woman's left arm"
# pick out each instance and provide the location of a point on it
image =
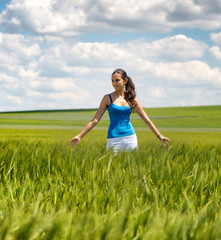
(139, 109)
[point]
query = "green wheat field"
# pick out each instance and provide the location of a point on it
(49, 190)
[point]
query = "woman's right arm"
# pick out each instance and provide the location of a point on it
(100, 112)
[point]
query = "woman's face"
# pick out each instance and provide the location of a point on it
(117, 81)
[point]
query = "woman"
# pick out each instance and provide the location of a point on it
(120, 104)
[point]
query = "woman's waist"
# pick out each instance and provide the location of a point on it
(125, 123)
(120, 130)
(132, 135)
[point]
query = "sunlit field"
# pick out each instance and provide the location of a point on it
(49, 190)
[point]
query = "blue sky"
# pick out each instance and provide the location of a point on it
(3, 4)
(60, 54)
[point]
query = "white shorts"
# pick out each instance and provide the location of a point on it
(122, 143)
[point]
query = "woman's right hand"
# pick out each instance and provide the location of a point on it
(74, 141)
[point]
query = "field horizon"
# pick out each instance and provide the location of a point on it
(94, 109)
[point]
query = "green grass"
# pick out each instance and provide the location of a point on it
(50, 191)
(191, 137)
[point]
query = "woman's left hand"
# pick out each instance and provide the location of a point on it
(165, 140)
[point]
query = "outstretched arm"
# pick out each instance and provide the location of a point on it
(149, 123)
(100, 112)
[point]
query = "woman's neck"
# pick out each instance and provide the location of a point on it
(120, 94)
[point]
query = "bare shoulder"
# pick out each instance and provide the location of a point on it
(106, 97)
(138, 107)
(137, 102)
(106, 100)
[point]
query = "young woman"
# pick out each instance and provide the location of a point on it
(120, 104)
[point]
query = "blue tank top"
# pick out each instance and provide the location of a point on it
(120, 125)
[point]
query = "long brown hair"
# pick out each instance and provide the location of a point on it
(130, 92)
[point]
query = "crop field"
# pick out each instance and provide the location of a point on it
(49, 190)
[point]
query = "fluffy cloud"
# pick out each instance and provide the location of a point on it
(175, 48)
(189, 73)
(170, 96)
(18, 49)
(76, 17)
(215, 52)
(216, 38)
(54, 72)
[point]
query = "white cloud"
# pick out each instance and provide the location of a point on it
(216, 38)
(42, 17)
(14, 99)
(189, 73)
(215, 52)
(56, 72)
(70, 96)
(27, 74)
(32, 93)
(184, 96)
(157, 92)
(16, 48)
(76, 17)
(175, 48)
